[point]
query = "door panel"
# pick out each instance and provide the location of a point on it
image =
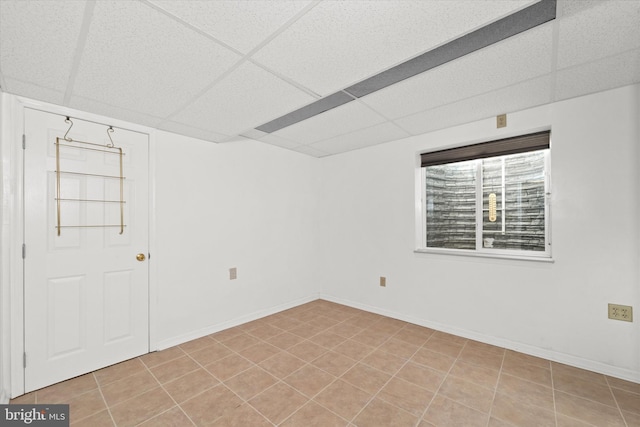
(86, 295)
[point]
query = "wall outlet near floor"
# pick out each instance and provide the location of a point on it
(501, 121)
(621, 312)
(233, 273)
(383, 281)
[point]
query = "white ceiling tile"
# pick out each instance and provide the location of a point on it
(193, 132)
(116, 112)
(38, 40)
(314, 152)
(590, 30)
(142, 60)
(280, 142)
(506, 100)
(248, 97)
(33, 91)
(340, 120)
(338, 43)
(608, 73)
(373, 135)
(516, 59)
(241, 24)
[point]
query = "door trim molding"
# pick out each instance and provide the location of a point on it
(12, 279)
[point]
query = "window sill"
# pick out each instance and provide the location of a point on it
(474, 254)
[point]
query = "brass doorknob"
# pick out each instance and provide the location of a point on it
(141, 257)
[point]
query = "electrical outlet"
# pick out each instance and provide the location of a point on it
(383, 281)
(621, 312)
(501, 121)
(233, 273)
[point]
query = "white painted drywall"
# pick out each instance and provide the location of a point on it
(558, 310)
(244, 204)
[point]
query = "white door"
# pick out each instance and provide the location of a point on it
(86, 295)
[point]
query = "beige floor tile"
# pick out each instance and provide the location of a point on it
(343, 399)
(226, 334)
(159, 357)
(447, 347)
(124, 389)
(528, 372)
(285, 323)
(197, 344)
(624, 385)
(589, 390)
(210, 354)
(353, 349)
(483, 347)
(399, 348)
(210, 405)
(333, 363)
(345, 329)
(449, 337)
(243, 415)
(314, 415)
(282, 364)
(306, 330)
(119, 371)
(384, 361)
(632, 419)
(521, 358)
(259, 352)
(309, 380)
(406, 395)
(189, 385)
(628, 401)
(285, 340)
(421, 375)
(174, 417)
(412, 336)
(447, 413)
(174, 369)
(228, 367)
(521, 413)
(433, 359)
(371, 337)
(388, 324)
(485, 377)
(564, 421)
(278, 402)
(495, 422)
(100, 419)
(366, 378)
(527, 391)
(485, 359)
(147, 405)
(86, 404)
(240, 342)
(467, 393)
(265, 332)
(327, 339)
(250, 382)
(559, 368)
(588, 410)
(62, 392)
(307, 351)
(381, 413)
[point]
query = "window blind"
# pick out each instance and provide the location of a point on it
(499, 147)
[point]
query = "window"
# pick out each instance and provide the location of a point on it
(488, 198)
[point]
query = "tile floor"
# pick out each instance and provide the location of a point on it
(324, 364)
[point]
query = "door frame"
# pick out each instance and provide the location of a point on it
(12, 279)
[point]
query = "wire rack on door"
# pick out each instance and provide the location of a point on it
(67, 142)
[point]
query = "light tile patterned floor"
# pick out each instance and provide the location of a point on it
(324, 364)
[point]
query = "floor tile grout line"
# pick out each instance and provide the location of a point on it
(495, 392)
(553, 394)
(615, 399)
(170, 396)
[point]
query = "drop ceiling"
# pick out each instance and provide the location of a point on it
(222, 70)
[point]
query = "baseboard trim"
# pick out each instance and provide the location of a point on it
(170, 342)
(578, 362)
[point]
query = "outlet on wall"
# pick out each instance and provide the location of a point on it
(383, 281)
(233, 273)
(621, 312)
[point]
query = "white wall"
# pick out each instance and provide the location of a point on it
(557, 310)
(245, 205)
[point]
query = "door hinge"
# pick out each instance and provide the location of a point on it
(24, 251)
(24, 141)
(24, 360)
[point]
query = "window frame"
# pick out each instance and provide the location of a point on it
(480, 251)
